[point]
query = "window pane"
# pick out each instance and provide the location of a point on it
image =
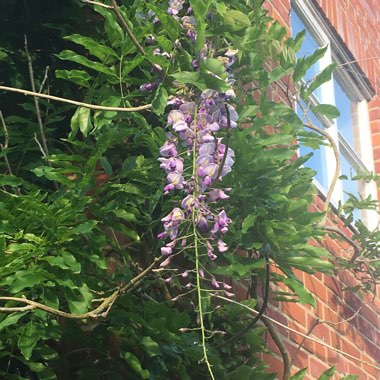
(347, 121)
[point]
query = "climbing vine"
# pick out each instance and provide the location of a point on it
(149, 172)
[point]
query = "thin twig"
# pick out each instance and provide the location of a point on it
(36, 104)
(97, 3)
(37, 107)
(140, 276)
(5, 147)
(75, 103)
(298, 349)
(6, 141)
(321, 342)
(44, 79)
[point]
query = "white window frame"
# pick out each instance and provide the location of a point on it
(316, 25)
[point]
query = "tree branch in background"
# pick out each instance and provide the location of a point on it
(126, 28)
(97, 3)
(36, 104)
(76, 103)
(5, 147)
(100, 312)
(280, 345)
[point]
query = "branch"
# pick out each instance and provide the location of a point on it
(280, 345)
(75, 103)
(97, 3)
(321, 342)
(125, 26)
(100, 312)
(35, 98)
(337, 167)
(5, 147)
(6, 141)
(313, 326)
(345, 238)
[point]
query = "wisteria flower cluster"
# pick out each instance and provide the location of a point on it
(194, 131)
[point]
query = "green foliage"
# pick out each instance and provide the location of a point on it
(82, 220)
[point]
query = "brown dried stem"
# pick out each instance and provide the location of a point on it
(76, 103)
(100, 312)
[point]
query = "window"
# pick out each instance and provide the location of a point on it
(350, 130)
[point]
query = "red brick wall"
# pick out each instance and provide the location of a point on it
(347, 323)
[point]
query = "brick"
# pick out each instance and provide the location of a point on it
(367, 329)
(369, 369)
(316, 367)
(322, 332)
(274, 364)
(302, 359)
(370, 315)
(296, 311)
(316, 287)
(349, 348)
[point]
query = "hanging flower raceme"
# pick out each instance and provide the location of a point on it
(193, 131)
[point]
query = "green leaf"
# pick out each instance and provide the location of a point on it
(125, 215)
(236, 17)
(84, 120)
(323, 77)
(300, 290)
(200, 9)
(135, 364)
(214, 65)
(327, 110)
(248, 111)
(114, 32)
(169, 24)
(9, 180)
(304, 64)
(52, 174)
(81, 120)
(188, 77)
(248, 222)
(307, 261)
(69, 55)
(151, 347)
(79, 77)
(29, 337)
(299, 375)
(350, 377)
(128, 66)
(65, 261)
(24, 280)
(95, 48)
(106, 165)
(160, 100)
(84, 228)
(327, 374)
(10, 319)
